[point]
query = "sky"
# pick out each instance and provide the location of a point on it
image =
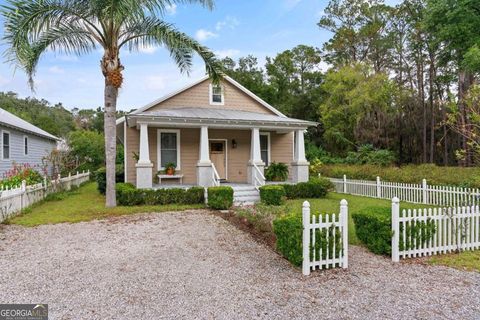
(234, 28)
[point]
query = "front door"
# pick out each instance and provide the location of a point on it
(219, 157)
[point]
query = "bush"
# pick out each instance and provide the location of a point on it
(289, 233)
(101, 177)
(128, 195)
(367, 154)
(13, 178)
(373, 227)
(272, 195)
(315, 188)
(220, 198)
(276, 172)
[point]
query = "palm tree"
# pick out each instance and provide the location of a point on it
(80, 26)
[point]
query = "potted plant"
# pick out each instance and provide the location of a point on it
(170, 168)
(276, 172)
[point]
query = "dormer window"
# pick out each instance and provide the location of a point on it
(216, 94)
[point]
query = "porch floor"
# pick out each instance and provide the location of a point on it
(230, 184)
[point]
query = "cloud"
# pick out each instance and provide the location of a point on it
(228, 22)
(290, 4)
(56, 70)
(171, 9)
(69, 58)
(3, 81)
(148, 49)
(227, 53)
(155, 82)
(203, 34)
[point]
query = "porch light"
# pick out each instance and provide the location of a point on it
(234, 144)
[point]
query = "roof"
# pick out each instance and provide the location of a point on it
(10, 120)
(226, 78)
(189, 115)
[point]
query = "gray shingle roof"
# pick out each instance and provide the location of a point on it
(10, 120)
(221, 114)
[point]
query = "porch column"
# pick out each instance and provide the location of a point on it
(204, 165)
(300, 164)
(255, 158)
(144, 166)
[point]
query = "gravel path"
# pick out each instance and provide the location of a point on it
(195, 265)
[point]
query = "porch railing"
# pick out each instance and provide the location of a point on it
(215, 176)
(257, 182)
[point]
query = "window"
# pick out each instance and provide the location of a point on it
(5, 145)
(168, 147)
(216, 95)
(25, 145)
(265, 147)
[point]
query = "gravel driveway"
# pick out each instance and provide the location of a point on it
(195, 265)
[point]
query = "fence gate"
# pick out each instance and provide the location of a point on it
(325, 239)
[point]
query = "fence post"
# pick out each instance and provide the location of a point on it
(344, 183)
(306, 238)
(344, 217)
(379, 189)
(395, 229)
(24, 193)
(425, 193)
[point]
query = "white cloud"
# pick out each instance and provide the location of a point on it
(56, 70)
(203, 34)
(155, 82)
(290, 4)
(171, 9)
(227, 53)
(3, 81)
(148, 49)
(70, 58)
(228, 22)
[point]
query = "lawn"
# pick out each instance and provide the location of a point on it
(83, 204)
(467, 260)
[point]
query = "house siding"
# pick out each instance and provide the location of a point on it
(198, 96)
(38, 148)
(281, 147)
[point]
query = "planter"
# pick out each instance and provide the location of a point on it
(170, 171)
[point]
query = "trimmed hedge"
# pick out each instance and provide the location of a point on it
(272, 195)
(101, 177)
(289, 233)
(128, 195)
(373, 227)
(220, 198)
(315, 188)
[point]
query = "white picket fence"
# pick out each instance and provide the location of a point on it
(416, 193)
(325, 242)
(13, 201)
(432, 231)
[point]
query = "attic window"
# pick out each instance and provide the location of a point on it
(216, 94)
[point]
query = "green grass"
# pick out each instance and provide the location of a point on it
(83, 204)
(467, 260)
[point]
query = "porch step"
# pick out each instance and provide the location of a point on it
(245, 195)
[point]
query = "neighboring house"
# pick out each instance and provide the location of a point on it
(213, 133)
(22, 142)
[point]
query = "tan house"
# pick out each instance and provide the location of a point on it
(214, 134)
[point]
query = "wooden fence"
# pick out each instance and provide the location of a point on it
(416, 193)
(13, 201)
(325, 242)
(431, 231)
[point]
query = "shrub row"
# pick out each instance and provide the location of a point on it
(435, 175)
(220, 198)
(100, 177)
(129, 195)
(373, 227)
(276, 194)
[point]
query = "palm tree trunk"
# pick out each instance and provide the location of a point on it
(111, 94)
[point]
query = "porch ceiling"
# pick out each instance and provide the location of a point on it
(221, 118)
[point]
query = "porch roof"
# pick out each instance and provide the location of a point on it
(216, 118)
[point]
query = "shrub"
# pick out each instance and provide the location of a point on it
(220, 198)
(276, 172)
(128, 195)
(373, 227)
(367, 154)
(101, 177)
(272, 195)
(13, 178)
(315, 188)
(289, 233)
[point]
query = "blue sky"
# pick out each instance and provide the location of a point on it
(234, 28)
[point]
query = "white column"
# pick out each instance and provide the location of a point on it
(253, 175)
(204, 155)
(255, 156)
(144, 166)
(300, 164)
(144, 156)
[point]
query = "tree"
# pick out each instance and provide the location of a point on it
(78, 27)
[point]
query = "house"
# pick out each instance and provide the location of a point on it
(22, 142)
(214, 134)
